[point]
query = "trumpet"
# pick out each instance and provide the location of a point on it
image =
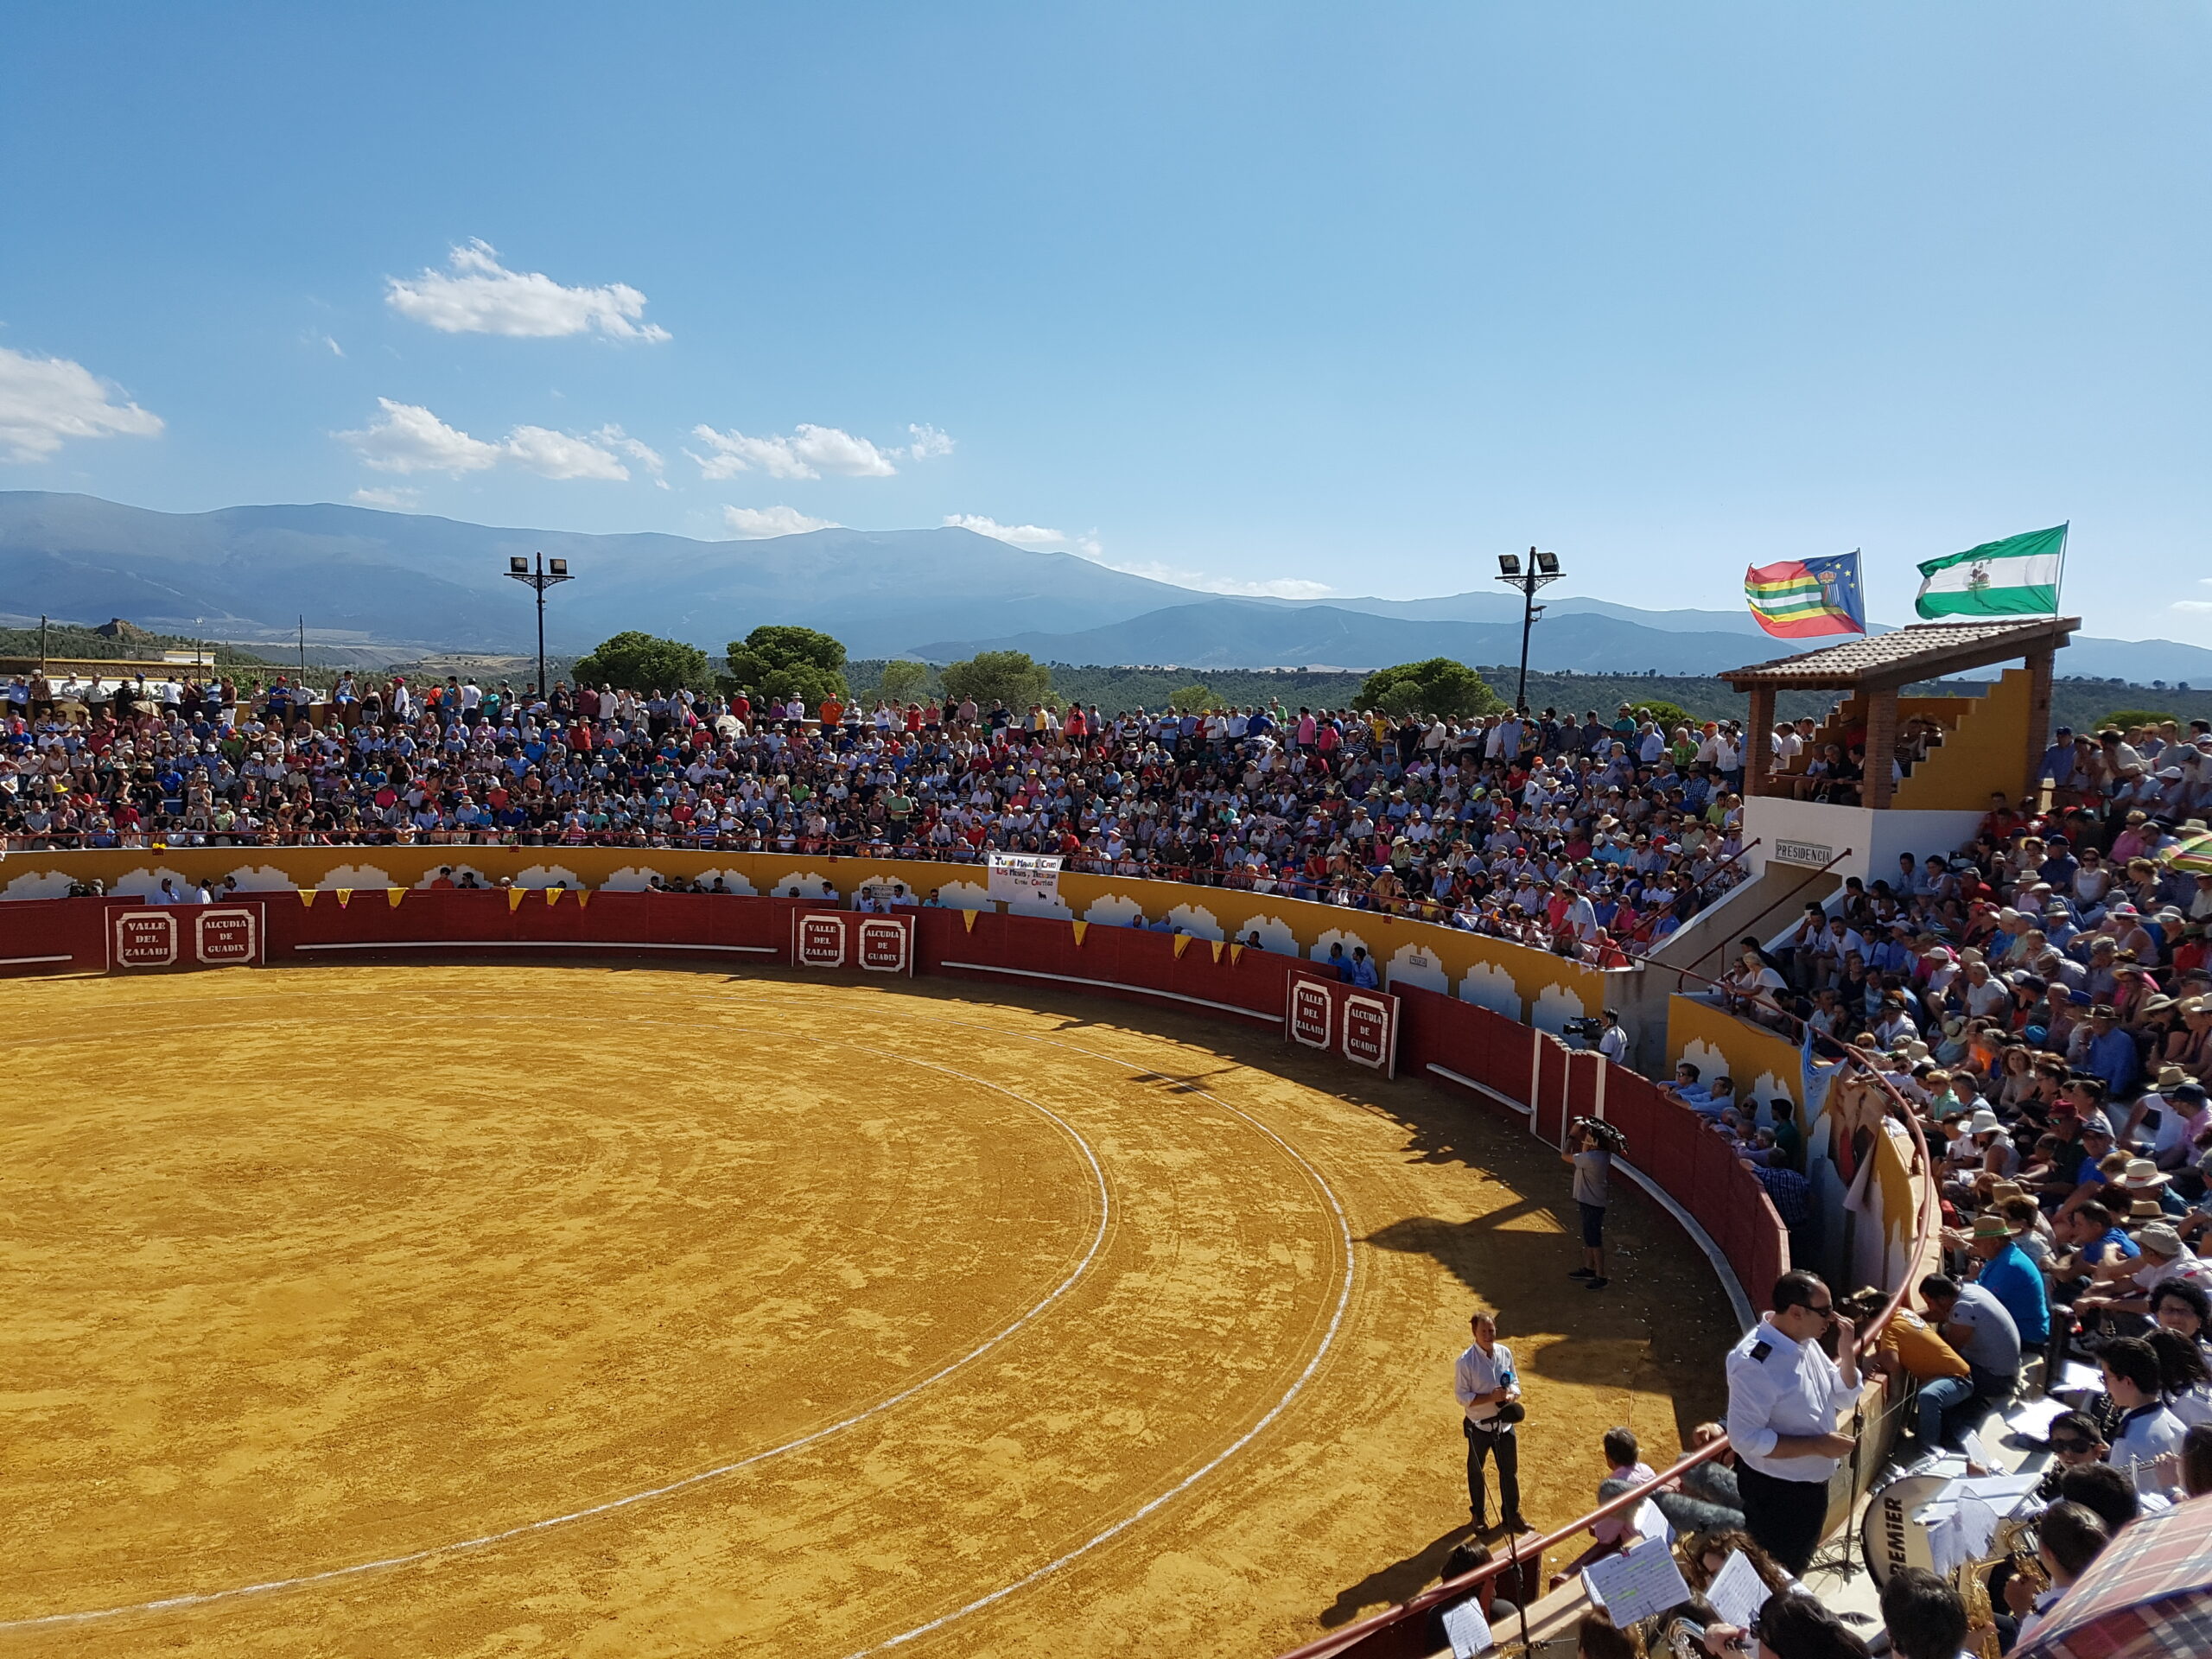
(2014, 1542)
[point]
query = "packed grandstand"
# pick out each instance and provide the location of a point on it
(1585, 835)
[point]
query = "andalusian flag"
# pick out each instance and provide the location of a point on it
(2018, 576)
(1804, 597)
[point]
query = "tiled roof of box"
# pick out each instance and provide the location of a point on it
(1926, 650)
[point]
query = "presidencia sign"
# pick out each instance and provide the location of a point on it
(1016, 877)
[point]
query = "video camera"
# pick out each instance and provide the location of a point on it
(1588, 1026)
(1607, 1137)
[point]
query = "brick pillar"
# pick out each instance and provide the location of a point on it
(2038, 733)
(1881, 745)
(1758, 746)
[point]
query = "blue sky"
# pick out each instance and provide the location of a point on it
(1350, 298)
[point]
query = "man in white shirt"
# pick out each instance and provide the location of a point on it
(1784, 1395)
(1484, 1382)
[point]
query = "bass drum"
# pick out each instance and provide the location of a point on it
(1889, 1537)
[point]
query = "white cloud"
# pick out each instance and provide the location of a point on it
(556, 454)
(408, 438)
(46, 401)
(397, 499)
(1276, 587)
(756, 524)
(2193, 605)
(929, 443)
(314, 337)
(1039, 539)
(481, 296)
(615, 438)
(1030, 536)
(809, 452)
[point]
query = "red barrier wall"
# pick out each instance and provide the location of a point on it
(54, 936)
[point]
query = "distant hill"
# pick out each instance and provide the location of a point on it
(422, 584)
(385, 585)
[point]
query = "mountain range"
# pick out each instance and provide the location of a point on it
(415, 584)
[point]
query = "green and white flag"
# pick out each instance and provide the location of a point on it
(2018, 576)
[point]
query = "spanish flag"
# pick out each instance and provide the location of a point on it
(1801, 598)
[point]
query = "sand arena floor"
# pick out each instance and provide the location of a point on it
(586, 1310)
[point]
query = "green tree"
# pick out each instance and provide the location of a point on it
(1669, 714)
(904, 681)
(1438, 686)
(2124, 718)
(642, 662)
(1000, 676)
(1193, 700)
(778, 662)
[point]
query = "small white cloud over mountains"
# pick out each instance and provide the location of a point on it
(811, 451)
(1033, 535)
(392, 498)
(1039, 539)
(407, 438)
(479, 295)
(1276, 587)
(46, 401)
(758, 524)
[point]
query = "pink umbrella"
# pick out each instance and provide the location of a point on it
(2149, 1596)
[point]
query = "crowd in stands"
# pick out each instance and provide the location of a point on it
(1593, 838)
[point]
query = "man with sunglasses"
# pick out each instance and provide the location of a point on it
(1784, 1395)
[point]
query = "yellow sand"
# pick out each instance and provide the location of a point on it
(312, 1269)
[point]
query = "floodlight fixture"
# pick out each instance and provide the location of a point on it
(1542, 570)
(541, 579)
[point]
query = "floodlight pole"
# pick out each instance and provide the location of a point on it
(540, 579)
(1528, 581)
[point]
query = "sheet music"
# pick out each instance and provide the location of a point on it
(2034, 1420)
(1468, 1630)
(1736, 1592)
(1637, 1584)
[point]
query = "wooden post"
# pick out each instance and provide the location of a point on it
(2038, 733)
(1759, 741)
(1881, 746)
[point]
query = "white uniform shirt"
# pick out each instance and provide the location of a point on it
(2147, 1434)
(1479, 1373)
(1777, 1387)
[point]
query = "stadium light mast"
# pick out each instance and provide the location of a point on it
(541, 579)
(1542, 569)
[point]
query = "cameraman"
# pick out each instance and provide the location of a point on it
(1589, 1153)
(1612, 1042)
(1490, 1404)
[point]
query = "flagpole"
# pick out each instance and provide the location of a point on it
(2057, 588)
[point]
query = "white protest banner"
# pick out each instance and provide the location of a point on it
(1024, 878)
